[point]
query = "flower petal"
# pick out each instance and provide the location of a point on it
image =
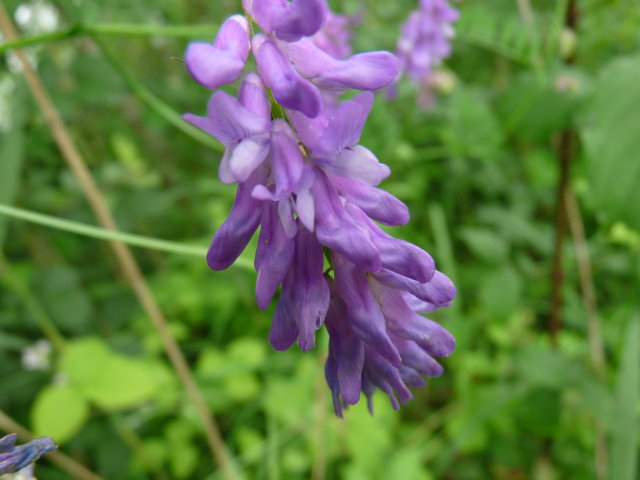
(375, 202)
(438, 291)
(345, 125)
(338, 231)
(223, 62)
(345, 349)
(364, 71)
(253, 96)
(365, 316)
(289, 89)
(290, 20)
(247, 156)
(357, 163)
(235, 233)
(274, 255)
(405, 323)
(396, 255)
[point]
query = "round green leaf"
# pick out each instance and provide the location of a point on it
(59, 412)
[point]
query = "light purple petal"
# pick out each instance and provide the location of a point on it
(355, 162)
(229, 121)
(289, 89)
(305, 208)
(289, 20)
(253, 96)
(364, 71)
(375, 202)
(438, 291)
(247, 156)
(345, 125)
(223, 62)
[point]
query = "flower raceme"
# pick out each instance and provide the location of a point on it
(13, 459)
(425, 41)
(305, 180)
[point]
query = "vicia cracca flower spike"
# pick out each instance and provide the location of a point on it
(313, 191)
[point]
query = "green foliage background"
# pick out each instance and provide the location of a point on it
(479, 172)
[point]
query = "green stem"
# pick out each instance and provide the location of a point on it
(104, 234)
(128, 29)
(14, 283)
(154, 102)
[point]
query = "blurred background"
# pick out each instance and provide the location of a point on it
(536, 112)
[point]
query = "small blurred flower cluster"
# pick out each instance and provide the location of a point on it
(292, 146)
(425, 41)
(16, 462)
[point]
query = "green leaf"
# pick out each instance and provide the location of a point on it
(110, 380)
(623, 463)
(611, 140)
(59, 412)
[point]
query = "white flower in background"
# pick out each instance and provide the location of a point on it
(37, 356)
(37, 17)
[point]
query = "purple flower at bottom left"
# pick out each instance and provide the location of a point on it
(13, 459)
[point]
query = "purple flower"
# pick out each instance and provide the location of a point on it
(306, 182)
(377, 340)
(14, 459)
(425, 41)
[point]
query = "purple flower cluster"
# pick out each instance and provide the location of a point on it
(13, 459)
(312, 189)
(425, 41)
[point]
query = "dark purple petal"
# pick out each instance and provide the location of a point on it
(365, 315)
(223, 62)
(8, 442)
(346, 350)
(235, 233)
(385, 376)
(337, 230)
(411, 378)
(375, 202)
(289, 20)
(405, 323)
(17, 458)
(289, 89)
(284, 330)
(415, 357)
(274, 255)
(397, 255)
(305, 296)
(331, 375)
